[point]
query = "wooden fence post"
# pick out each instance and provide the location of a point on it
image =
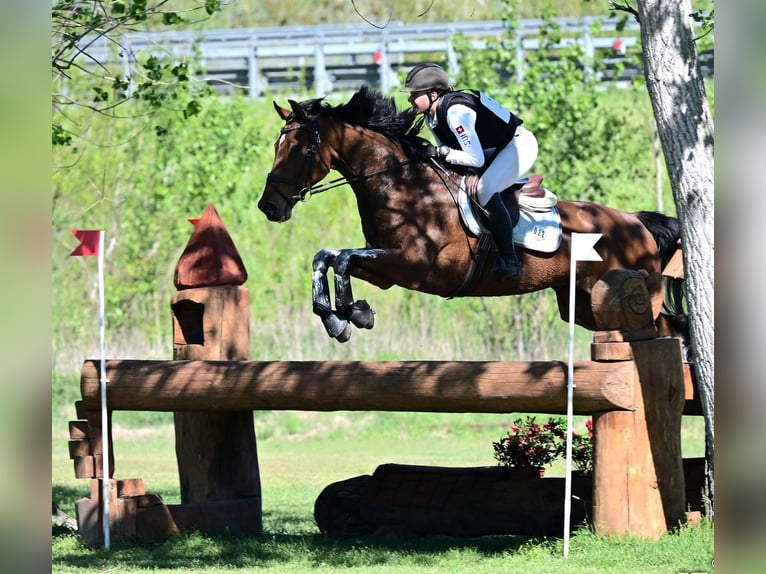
(216, 451)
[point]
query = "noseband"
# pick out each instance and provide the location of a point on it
(312, 152)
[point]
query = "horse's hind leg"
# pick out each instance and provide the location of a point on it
(358, 312)
(336, 326)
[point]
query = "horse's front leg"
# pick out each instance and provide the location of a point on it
(358, 312)
(336, 326)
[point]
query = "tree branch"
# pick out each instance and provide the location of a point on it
(624, 8)
(388, 19)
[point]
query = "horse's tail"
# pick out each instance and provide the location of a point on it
(666, 232)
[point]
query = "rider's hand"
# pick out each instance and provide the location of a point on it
(437, 152)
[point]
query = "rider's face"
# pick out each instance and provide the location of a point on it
(420, 101)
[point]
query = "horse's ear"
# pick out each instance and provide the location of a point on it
(284, 113)
(298, 111)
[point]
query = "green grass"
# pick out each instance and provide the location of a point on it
(301, 453)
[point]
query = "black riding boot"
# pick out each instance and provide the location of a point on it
(501, 226)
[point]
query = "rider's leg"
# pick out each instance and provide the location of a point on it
(513, 161)
(501, 226)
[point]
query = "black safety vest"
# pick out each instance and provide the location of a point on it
(493, 131)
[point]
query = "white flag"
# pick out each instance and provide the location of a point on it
(582, 246)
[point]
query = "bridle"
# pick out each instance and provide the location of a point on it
(312, 152)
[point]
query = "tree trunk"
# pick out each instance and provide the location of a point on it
(685, 127)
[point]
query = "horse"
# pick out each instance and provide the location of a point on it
(415, 236)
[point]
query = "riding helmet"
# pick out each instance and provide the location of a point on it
(426, 77)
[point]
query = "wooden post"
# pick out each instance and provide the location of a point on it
(638, 478)
(216, 451)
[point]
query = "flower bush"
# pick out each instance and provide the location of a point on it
(529, 444)
(582, 449)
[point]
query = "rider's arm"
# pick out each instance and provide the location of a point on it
(462, 122)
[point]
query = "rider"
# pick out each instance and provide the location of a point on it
(475, 132)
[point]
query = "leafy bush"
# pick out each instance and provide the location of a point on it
(582, 449)
(529, 444)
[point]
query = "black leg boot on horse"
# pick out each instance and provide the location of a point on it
(500, 224)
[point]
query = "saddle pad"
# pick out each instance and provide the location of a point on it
(537, 230)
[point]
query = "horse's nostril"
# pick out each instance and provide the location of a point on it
(272, 211)
(267, 208)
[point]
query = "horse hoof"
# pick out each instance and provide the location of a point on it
(345, 335)
(336, 327)
(362, 316)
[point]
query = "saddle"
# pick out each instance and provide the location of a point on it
(528, 193)
(536, 221)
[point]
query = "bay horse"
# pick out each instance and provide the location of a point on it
(415, 236)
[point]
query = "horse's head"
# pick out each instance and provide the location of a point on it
(299, 163)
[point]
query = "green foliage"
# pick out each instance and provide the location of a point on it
(78, 26)
(594, 139)
(141, 187)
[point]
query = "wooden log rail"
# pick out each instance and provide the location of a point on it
(430, 386)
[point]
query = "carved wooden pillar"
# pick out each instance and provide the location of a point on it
(216, 452)
(638, 477)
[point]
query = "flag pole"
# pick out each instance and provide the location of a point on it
(581, 249)
(570, 399)
(104, 380)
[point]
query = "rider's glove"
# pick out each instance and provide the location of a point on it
(437, 152)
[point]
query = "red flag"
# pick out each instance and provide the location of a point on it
(89, 240)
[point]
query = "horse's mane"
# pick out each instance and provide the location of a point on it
(368, 108)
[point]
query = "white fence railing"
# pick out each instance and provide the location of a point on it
(330, 58)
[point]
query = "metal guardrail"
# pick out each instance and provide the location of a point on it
(329, 58)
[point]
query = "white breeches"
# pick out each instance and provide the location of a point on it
(513, 161)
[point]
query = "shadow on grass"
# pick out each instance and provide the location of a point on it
(195, 550)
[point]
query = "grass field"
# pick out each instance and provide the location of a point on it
(301, 453)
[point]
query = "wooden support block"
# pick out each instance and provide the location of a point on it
(611, 352)
(122, 519)
(693, 405)
(118, 488)
(95, 440)
(89, 521)
(80, 410)
(130, 487)
(95, 489)
(78, 430)
(154, 523)
(625, 335)
(88, 466)
(79, 448)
